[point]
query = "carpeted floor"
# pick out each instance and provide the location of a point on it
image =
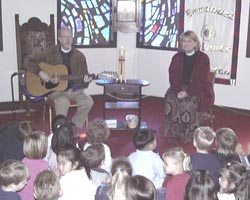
(120, 142)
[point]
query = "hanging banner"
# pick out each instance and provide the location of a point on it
(217, 24)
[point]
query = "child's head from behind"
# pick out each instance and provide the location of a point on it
(243, 189)
(230, 176)
(176, 161)
(94, 155)
(97, 131)
(139, 187)
(68, 159)
(203, 138)
(13, 175)
(47, 186)
(25, 128)
(239, 150)
(58, 121)
(121, 164)
(62, 136)
(200, 186)
(121, 169)
(226, 141)
(145, 139)
(35, 145)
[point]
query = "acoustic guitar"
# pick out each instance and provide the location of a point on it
(59, 78)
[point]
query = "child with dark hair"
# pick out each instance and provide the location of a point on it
(47, 186)
(35, 149)
(226, 141)
(13, 177)
(202, 159)
(75, 174)
(98, 132)
(243, 189)
(145, 161)
(140, 187)
(94, 155)
(230, 179)
(62, 135)
(200, 186)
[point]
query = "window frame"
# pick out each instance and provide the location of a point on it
(139, 43)
(113, 35)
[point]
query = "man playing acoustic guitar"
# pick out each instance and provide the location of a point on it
(64, 54)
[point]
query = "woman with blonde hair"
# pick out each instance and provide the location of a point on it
(191, 95)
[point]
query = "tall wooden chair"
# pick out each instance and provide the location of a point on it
(31, 37)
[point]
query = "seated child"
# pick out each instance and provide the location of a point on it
(243, 189)
(63, 135)
(47, 186)
(75, 175)
(115, 188)
(95, 156)
(176, 164)
(13, 177)
(202, 159)
(226, 141)
(242, 155)
(35, 149)
(200, 186)
(98, 132)
(140, 187)
(56, 123)
(230, 179)
(144, 160)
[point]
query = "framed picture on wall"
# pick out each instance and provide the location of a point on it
(126, 15)
(1, 31)
(126, 11)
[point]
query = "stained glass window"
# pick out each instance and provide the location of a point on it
(162, 23)
(90, 21)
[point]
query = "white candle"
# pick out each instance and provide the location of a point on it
(121, 63)
(122, 51)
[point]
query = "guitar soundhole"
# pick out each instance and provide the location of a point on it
(50, 85)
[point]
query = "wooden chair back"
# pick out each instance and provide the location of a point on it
(31, 37)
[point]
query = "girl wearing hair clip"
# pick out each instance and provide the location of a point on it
(177, 163)
(62, 134)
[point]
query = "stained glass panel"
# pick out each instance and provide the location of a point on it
(90, 21)
(162, 23)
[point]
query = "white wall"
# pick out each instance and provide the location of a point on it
(151, 65)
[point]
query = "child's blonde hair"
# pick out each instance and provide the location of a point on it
(121, 169)
(35, 145)
(13, 172)
(179, 157)
(47, 186)
(226, 141)
(204, 137)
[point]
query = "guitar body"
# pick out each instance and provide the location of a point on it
(59, 79)
(37, 87)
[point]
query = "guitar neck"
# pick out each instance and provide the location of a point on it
(75, 77)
